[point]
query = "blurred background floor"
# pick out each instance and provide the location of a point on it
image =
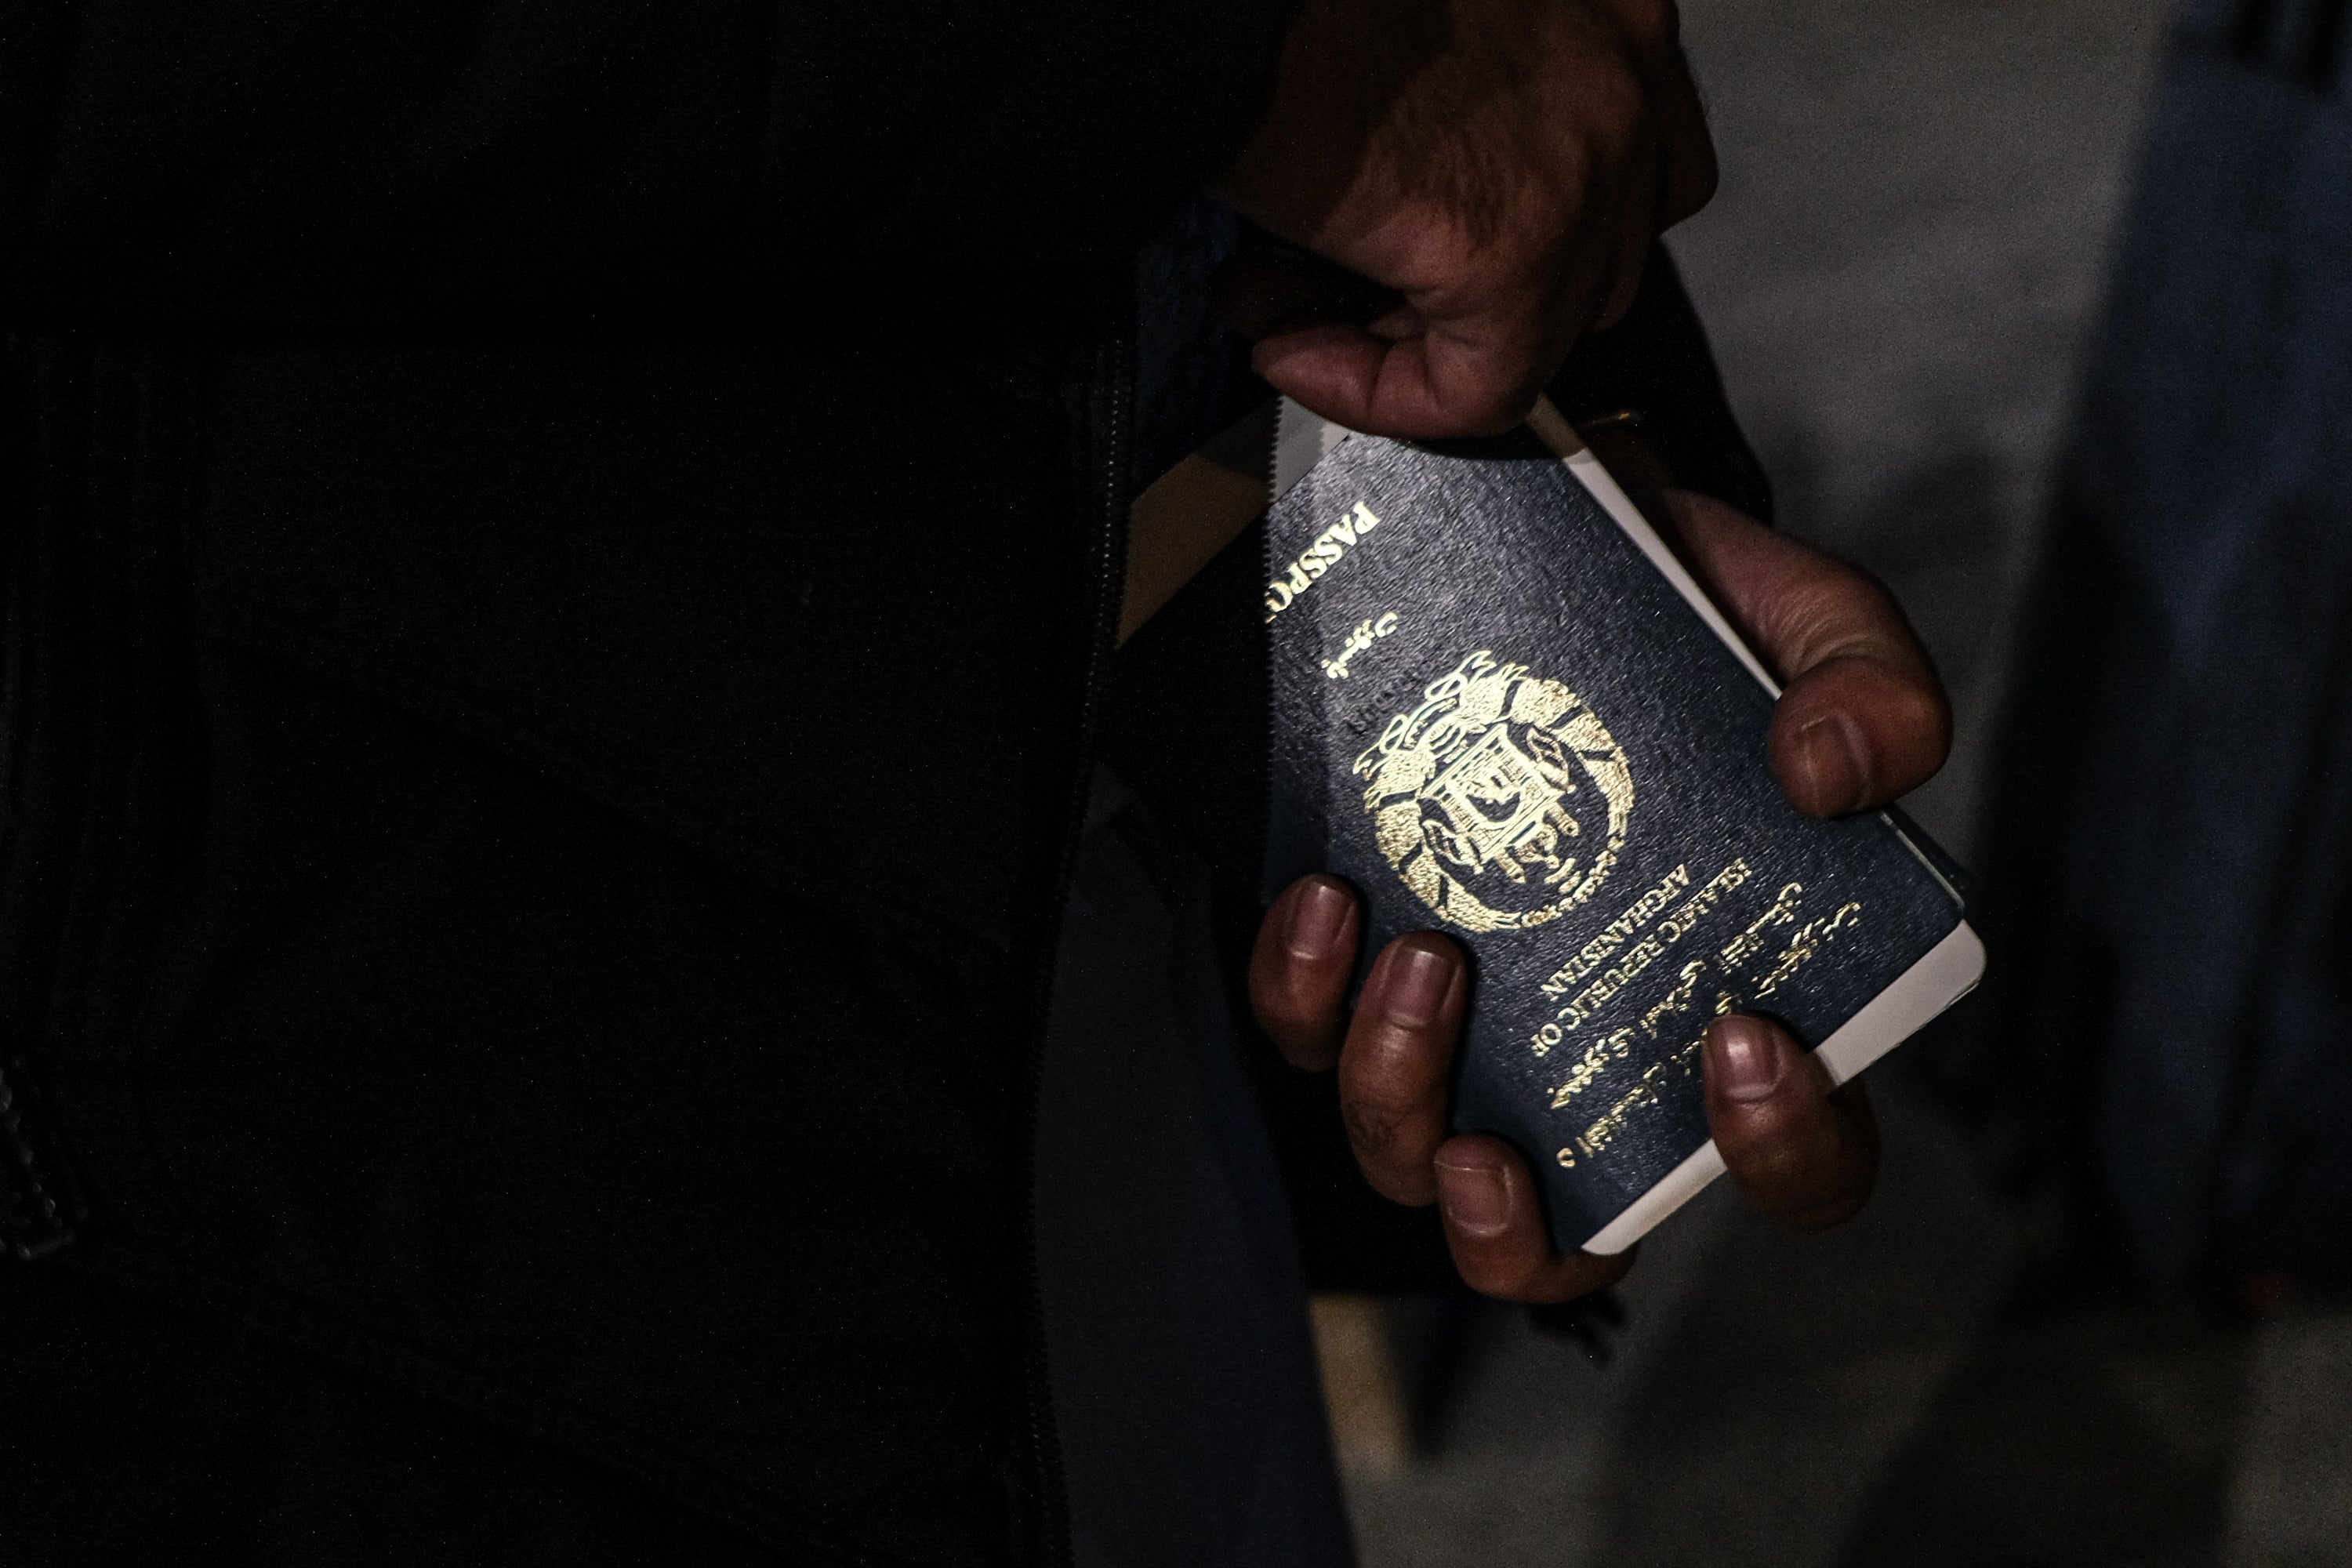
(1899, 275)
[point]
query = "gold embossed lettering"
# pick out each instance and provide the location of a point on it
(1808, 940)
(1323, 552)
(1363, 638)
(1749, 943)
(1637, 914)
(1591, 1066)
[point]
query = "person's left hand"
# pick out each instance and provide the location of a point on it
(1861, 720)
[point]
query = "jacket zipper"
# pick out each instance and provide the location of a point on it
(1107, 413)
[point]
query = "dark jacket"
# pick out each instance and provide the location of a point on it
(561, 571)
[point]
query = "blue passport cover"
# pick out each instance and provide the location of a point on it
(1496, 717)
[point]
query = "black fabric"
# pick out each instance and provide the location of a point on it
(1185, 1391)
(275, 163)
(582, 1106)
(2305, 42)
(2172, 847)
(556, 565)
(559, 550)
(221, 1445)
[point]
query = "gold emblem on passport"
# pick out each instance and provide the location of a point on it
(1502, 800)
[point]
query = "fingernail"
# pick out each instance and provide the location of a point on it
(1475, 1197)
(1417, 983)
(1316, 916)
(1742, 1060)
(1830, 756)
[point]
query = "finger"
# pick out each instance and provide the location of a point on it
(1635, 241)
(1862, 717)
(1649, 194)
(1692, 170)
(1396, 1065)
(1858, 731)
(1453, 378)
(1300, 967)
(1804, 1152)
(1267, 287)
(1652, 31)
(1495, 1226)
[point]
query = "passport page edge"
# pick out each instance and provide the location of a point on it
(1940, 978)
(1647, 1213)
(1554, 430)
(1602, 487)
(1946, 973)
(1304, 438)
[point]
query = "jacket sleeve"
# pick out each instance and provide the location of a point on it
(287, 164)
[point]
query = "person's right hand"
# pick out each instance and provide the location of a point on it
(1502, 165)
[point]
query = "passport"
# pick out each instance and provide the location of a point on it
(1502, 708)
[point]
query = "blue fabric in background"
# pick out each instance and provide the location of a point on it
(2182, 798)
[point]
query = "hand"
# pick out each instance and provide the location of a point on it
(1502, 165)
(1861, 720)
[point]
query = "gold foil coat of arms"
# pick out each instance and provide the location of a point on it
(1501, 800)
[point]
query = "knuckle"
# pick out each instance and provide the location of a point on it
(1616, 121)
(1280, 1009)
(1774, 1155)
(1383, 1098)
(1501, 387)
(1697, 177)
(1651, 22)
(1386, 1123)
(1839, 604)
(1926, 713)
(1858, 591)
(1499, 1271)
(1600, 111)
(1805, 1176)
(1782, 1176)
(1374, 1130)
(1392, 1159)
(1862, 602)
(1498, 411)
(1838, 610)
